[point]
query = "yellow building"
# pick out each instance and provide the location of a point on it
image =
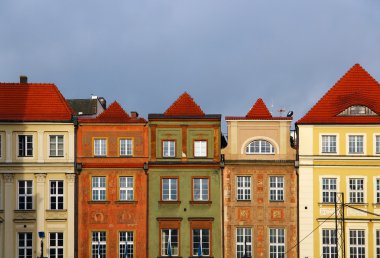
(339, 153)
(37, 179)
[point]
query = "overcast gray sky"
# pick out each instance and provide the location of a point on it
(226, 54)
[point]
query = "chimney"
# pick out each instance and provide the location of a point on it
(134, 114)
(23, 79)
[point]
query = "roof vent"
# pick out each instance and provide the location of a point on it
(23, 79)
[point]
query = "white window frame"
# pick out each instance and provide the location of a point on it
(376, 144)
(1, 145)
(53, 238)
(56, 195)
(26, 195)
(376, 187)
(327, 243)
(126, 146)
(377, 242)
(329, 191)
(100, 146)
(26, 148)
(355, 191)
(168, 151)
(321, 136)
(98, 188)
(202, 242)
(276, 243)
(348, 143)
(171, 191)
(126, 188)
(126, 239)
(277, 190)
(244, 192)
(164, 242)
(26, 247)
(55, 152)
(200, 148)
(245, 234)
(357, 246)
(99, 241)
(204, 193)
(261, 149)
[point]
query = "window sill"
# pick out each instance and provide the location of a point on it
(98, 202)
(52, 157)
(63, 210)
(276, 201)
(201, 256)
(244, 200)
(200, 202)
(126, 202)
(100, 156)
(326, 203)
(126, 156)
(170, 202)
(24, 211)
(168, 256)
(357, 203)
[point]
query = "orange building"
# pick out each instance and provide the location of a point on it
(112, 189)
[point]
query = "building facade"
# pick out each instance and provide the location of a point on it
(37, 171)
(112, 208)
(339, 148)
(184, 182)
(260, 186)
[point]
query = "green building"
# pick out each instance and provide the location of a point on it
(184, 182)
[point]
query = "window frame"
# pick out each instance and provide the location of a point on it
(127, 242)
(357, 237)
(99, 189)
(174, 147)
(329, 191)
(201, 188)
(376, 144)
(330, 246)
(377, 242)
(56, 195)
(56, 247)
(162, 178)
(243, 244)
(260, 152)
(376, 190)
(126, 188)
(126, 140)
(244, 188)
(356, 192)
(101, 139)
(56, 155)
(164, 243)
(321, 151)
(277, 189)
(202, 231)
(25, 247)
(205, 148)
(276, 244)
(96, 242)
(364, 145)
(24, 150)
(173, 224)
(25, 195)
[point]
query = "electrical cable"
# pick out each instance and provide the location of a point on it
(372, 213)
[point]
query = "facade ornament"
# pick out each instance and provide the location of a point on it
(8, 178)
(70, 177)
(40, 177)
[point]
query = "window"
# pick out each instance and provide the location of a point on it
(168, 148)
(99, 188)
(25, 145)
(329, 243)
(377, 190)
(99, 245)
(243, 188)
(56, 245)
(201, 242)
(276, 188)
(243, 242)
(0, 145)
(169, 189)
(200, 189)
(56, 145)
(277, 243)
(355, 144)
(126, 188)
(169, 242)
(356, 186)
(328, 190)
(25, 194)
(377, 144)
(100, 147)
(259, 147)
(25, 245)
(126, 244)
(357, 111)
(328, 143)
(200, 148)
(357, 243)
(126, 148)
(377, 243)
(56, 195)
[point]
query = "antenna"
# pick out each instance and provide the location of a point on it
(281, 110)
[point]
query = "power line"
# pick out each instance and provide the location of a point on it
(310, 233)
(372, 213)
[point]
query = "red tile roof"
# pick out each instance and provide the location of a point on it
(259, 111)
(113, 114)
(32, 102)
(184, 106)
(356, 87)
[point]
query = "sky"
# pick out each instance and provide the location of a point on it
(225, 53)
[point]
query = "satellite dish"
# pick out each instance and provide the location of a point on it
(290, 114)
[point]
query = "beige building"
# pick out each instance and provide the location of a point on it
(37, 181)
(260, 186)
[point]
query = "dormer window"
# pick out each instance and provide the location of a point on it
(358, 110)
(259, 147)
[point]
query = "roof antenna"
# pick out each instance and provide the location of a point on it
(281, 110)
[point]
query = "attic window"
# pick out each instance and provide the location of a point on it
(358, 111)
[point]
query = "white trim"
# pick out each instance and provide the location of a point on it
(321, 181)
(357, 226)
(250, 188)
(270, 140)
(277, 244)
(34, 152)
(364, 144)
(364, 187)
(374, 144)
(337, 144)
(56, 135)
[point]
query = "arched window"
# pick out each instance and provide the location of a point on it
(259, 147)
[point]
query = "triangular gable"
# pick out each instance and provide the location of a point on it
(356, 88)
(184, 106)
(259, 110)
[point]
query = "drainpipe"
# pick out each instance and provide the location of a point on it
(222, 187)
(146, 169)
(77, 169)
(296, 166)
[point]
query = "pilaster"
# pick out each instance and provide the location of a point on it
(70, 179)
(40, 146)
(9, 207)
(8, 142)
